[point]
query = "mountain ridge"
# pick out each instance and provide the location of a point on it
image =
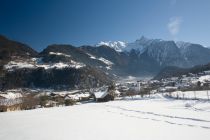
(148, 59)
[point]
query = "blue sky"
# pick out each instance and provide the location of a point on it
(79, 22)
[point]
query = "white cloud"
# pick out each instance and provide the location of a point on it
(174, 25)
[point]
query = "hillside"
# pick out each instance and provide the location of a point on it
(176, 71)
(142, 58)
(58, 67)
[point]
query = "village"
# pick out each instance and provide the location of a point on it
(186, 87)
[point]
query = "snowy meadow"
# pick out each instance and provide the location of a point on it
(134, 118)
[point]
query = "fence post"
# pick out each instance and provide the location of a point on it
(208, 95)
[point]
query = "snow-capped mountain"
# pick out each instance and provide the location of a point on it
(119, 46)
(66, 65)
(164, 53)
(138, 45)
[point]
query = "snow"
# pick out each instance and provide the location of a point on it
(61, 54)
(91, 56)
(108, 67)
(77, 96)
(20, 65)
(201, 95)
(32, 65)
(194, 80)
(100, 94)
(107, 62)
(77, 65)
(148, 119)
(181, 44)
(204, 78)
(11, 95)
(117, 45)
(10, 98)
(59, 65)
(66, 92)
(139, 45)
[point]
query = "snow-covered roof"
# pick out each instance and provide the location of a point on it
(204, 78)
(117, 92)
(77, 96)
(100, 94)
(10, 95)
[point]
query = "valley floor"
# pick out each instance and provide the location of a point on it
(128, 119)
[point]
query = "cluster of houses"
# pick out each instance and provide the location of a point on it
(199, 81)
(137, 87)
(186, 82)
(10, 101)
(20, 99)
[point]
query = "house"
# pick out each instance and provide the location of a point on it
(51, 103)
(84, 96)
(207, 72)
(10, 95)
(206, 84)
(167, 89)
(72, 97)
(59, 99)
(78, 97)
(2, 97)
(6, 108)
(103, 96)
(10, 101)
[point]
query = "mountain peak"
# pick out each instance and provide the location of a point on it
(143, 38)
(117, 45)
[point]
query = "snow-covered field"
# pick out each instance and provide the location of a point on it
(201, 95)
(155, 118)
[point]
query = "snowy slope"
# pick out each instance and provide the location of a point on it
(148, 119)
(182, 44)
(12, 65)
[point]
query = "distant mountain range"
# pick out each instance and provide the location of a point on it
(149, 56)
(60, 66)
(164, 53)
